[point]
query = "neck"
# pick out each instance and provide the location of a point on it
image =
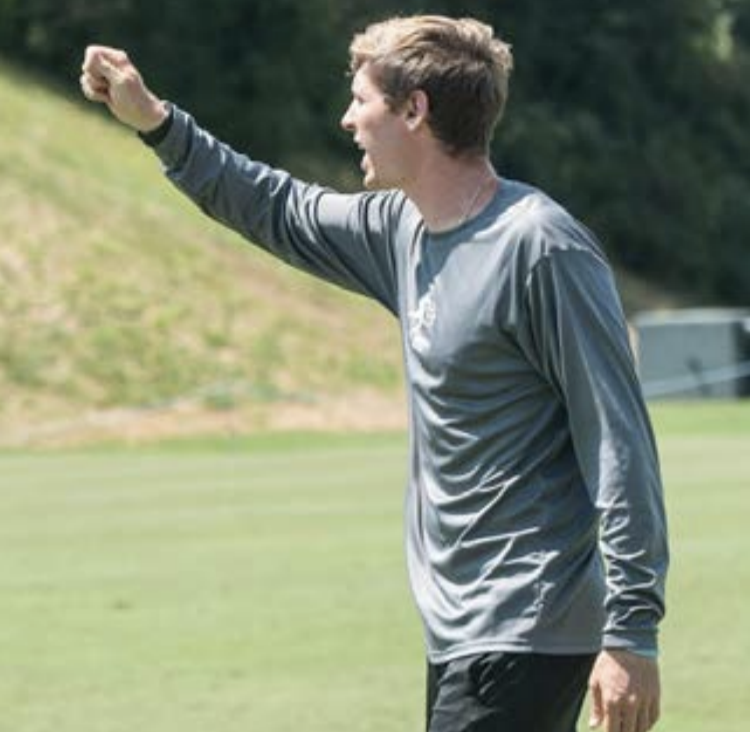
(449, 191)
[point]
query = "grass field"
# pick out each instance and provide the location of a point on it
(259, 584)
(92, 239)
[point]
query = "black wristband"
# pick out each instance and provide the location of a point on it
(153, 137)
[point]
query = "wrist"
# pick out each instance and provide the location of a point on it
(649, 653)
(641, 640)
(155, 135)
(155, 117)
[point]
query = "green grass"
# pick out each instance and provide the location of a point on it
(115, 291)
(252, 586)
(706, 638)
(259, 584)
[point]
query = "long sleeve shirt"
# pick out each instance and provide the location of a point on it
(534, 513)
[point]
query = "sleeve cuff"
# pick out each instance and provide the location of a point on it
(153, 137)
(642, 645)
(651, 653)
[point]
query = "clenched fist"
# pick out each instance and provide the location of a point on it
(109, 77)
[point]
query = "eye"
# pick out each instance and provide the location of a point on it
(358, 97)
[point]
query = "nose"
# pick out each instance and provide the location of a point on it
(347, 121)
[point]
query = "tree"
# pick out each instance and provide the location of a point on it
(632, 113)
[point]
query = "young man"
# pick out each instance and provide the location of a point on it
(536, 533)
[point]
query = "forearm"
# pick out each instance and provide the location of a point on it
(636, 561)
(342, 239)
(618, 457)
(247, 196)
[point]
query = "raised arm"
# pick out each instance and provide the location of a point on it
(346, 240)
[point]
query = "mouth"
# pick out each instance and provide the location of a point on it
(366, 165)
(365, 160)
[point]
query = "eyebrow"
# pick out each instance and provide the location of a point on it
(357, 86)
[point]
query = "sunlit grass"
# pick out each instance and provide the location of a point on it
(116, 291)
(259, 583)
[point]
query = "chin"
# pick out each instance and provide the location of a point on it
(373, 183)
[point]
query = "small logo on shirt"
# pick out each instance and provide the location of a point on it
(421, 320)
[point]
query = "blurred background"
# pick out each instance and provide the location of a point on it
(114, 295)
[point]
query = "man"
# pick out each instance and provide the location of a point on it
(536, 534)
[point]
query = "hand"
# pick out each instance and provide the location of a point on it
(625, 692)
(109, 77)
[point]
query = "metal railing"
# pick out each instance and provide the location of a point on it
(698, 382)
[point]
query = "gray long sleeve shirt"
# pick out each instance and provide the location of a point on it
(534, 512)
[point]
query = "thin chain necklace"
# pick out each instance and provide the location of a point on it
(475, 198)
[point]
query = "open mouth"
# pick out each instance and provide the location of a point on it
(365, 162)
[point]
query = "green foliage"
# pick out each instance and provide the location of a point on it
(633, 114)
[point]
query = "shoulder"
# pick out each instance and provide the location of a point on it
(540, 238)
(542, 227)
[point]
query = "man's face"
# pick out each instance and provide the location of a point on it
(378, 131)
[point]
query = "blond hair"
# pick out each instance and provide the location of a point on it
(459, 64)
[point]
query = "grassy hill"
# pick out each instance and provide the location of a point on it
(124, 310)
(121, 304)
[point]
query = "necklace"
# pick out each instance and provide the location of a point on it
(467, 213)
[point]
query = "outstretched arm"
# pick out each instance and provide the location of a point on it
(346, 240)
(109, 77)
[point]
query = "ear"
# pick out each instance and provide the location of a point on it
(417, 109)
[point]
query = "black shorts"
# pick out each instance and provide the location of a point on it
(507, 692)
